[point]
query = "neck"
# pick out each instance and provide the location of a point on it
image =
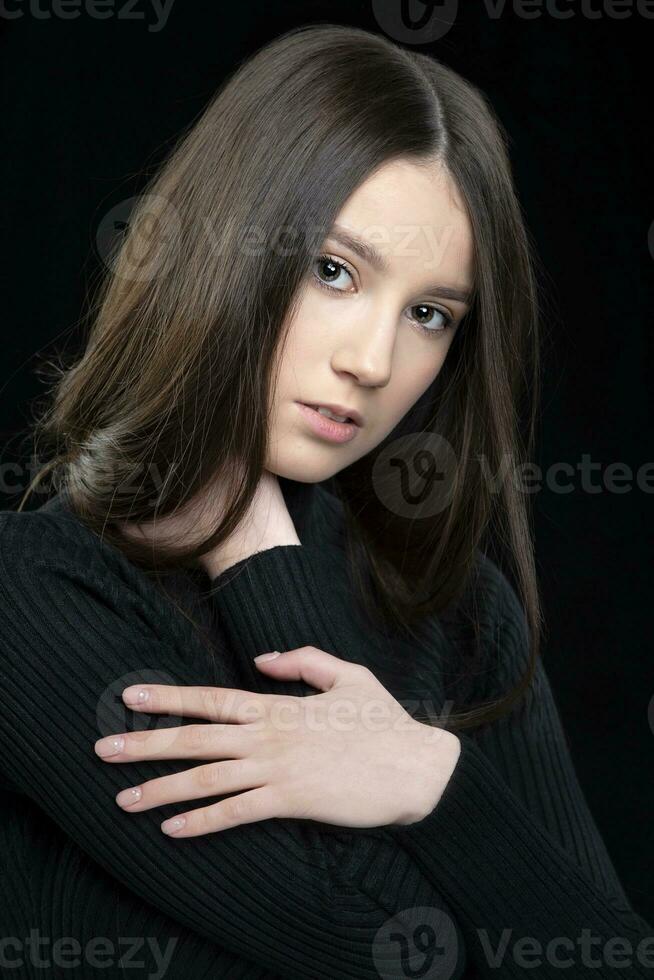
(300, 500)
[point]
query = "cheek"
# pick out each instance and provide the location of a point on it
(308, 336)
(295, 354)
(413, 374)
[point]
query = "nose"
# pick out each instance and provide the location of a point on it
(367, 353)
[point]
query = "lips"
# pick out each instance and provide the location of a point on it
(342, 410)
(326, 428)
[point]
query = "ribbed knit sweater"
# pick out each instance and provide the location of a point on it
(507, 876)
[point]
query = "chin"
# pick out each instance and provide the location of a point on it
(308, 464)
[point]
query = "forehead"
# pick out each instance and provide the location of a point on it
(415, 219)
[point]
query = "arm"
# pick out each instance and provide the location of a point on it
(301, 901)
(513, 807)
(294, 893)
(524, 856)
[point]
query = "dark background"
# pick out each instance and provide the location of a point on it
(89, 107)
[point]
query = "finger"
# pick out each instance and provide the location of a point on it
(257, 804)
(214, 779)
(316, 667)
(185, 742)
(212, 703)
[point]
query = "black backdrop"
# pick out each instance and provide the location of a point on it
(90, 103)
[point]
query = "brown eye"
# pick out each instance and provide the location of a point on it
(426, 322)
(330, 270)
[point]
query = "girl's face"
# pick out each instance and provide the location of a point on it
(375, 320)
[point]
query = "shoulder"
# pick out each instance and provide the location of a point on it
(50, 533)
(488, 632)
(51, 563)
(496, 592)
(488, 598)
(55, 568)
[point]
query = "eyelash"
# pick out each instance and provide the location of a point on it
(449, 319)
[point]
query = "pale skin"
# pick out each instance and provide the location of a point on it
(373, 340)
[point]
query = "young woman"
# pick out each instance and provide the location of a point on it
(392, 795)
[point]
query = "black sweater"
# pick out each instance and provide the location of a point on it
(508, 861)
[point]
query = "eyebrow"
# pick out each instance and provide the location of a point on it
(375, 258)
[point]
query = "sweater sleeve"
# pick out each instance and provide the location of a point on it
(511, 844)
(289, 895)
(525, 869)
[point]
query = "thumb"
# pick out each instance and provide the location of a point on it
(316, 667)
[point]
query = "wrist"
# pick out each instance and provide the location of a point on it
(436, 755)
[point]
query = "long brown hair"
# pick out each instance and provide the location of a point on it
(175, 380)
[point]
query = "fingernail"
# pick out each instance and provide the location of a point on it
(135, 695)
(110, 746)
(173, 825)
(128, 796)
(267, 656)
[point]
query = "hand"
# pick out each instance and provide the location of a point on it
(351, 756)
(266, 524)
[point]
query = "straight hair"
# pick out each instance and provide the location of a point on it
(175, 380)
